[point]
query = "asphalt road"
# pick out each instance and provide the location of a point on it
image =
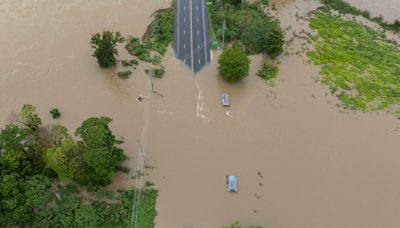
(191, 35)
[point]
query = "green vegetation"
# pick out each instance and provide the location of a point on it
(37, 181)
(133, 63)
(249, 23)
(345, 8)
(101, 152)
(233, 64)
(268, 72)
(136, 48)
(55, 113)
(238, 225)
(160, 31)
(358, 64)
(124, 74)
(105, 47)
(265, 2)
(158, 72)
(156, 40)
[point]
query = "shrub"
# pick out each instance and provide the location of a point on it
(132, 63)
(136, 48)
(233, 65)
(55, 113)
(268, 72)
(124, 74)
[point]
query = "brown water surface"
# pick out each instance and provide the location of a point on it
(389, 9)
(301, 162)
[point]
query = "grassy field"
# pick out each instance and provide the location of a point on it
(358, 63)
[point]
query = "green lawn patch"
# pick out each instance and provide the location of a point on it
(358, 63)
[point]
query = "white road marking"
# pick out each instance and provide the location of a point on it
(198, 32)
(177, 34)
(184, 7)
(198, 46)
(184, 32)
(197, 8)
(204, 30)
(184, 19)
(191, 33)
(184, 45)
(197, 19)
(199, 61)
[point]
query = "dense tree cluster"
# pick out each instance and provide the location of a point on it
(39, 168)
(249, 23)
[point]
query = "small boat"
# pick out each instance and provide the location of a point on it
(226, 99)
(232, 183)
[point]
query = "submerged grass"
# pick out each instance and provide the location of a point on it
(358, 63)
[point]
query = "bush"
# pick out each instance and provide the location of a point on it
(105, 47)
(136, 48)
(55, 113)
(159, 72)
(268, 72)
(124, 74)
(132, 63)
(233, 65)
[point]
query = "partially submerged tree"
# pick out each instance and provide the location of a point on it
(105, 47)
(30, 118)
(101, 154)
(233, 64)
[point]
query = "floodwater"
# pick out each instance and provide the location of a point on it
(389, 9)
(301, 162)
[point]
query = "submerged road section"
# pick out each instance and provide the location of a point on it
(191, 34)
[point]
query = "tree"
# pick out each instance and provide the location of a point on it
(273, 40)
(101, 154)
(18, 151)
(105, 47)
(66, 159)
(30, 118)
(37, 191)
(233, 64)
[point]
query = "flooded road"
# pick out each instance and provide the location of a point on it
(301, 162)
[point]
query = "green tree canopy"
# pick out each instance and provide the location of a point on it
(30, 117)
(101, 154)
(233, 64)
(66, 159)
(105, 47)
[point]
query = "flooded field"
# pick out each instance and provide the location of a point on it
(301, 162)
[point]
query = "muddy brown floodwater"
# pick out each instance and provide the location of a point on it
(301, 162)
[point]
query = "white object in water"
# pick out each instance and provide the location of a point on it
(225, 100)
